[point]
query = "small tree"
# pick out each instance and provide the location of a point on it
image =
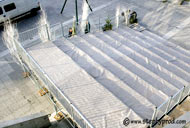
(108, 25)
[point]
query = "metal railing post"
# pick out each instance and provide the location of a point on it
(168, 106)
(62, 29)
(47, 30)
(117, 21)
(188, 91)
(72, 115)
(181, 95)
(55, 107)
(99, 23)
(153, 116)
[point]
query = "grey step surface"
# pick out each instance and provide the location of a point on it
(140, 56)
(116, 74)
(148, 77)
(157, 58)
(94, 101)
(167, 52)
(152, 67)
(130, 76)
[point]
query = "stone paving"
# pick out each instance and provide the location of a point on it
(19, 96)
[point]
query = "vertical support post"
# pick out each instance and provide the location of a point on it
(47, 30)
(62, 29)
(99, 23)
(153, 116)
(181, 95)
(118, 21)
(168, 106)
(72, 114)
(76, 7)
(105, 121)
(189, 91)
(20, 59)
(55, 107)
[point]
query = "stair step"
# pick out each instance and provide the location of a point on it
(153, 56)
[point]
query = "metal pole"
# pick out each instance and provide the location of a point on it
(168, 104)
(118, 21)
(76, 7)
(55, 107)
(72, 115)
(63, 6)
(48, 34)
(189, 90)
(62, 29)
(99, 23)
(153, 116)
(89, 5)
(181, 95)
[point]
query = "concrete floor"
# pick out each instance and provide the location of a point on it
(19, 96)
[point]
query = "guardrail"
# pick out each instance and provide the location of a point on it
(170, 103)
(59, 30)
(38, 71)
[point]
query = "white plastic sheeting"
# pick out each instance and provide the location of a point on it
(117, 74)
(95, 102)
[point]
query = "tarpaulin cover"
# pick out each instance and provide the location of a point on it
(112, 75)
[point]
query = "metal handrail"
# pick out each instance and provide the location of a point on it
(49, 79)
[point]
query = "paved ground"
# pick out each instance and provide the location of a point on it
(156, 16)
(19, 96)
(167, 20)
(52, 9)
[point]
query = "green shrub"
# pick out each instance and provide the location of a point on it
(164, 1)
(108, 25)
